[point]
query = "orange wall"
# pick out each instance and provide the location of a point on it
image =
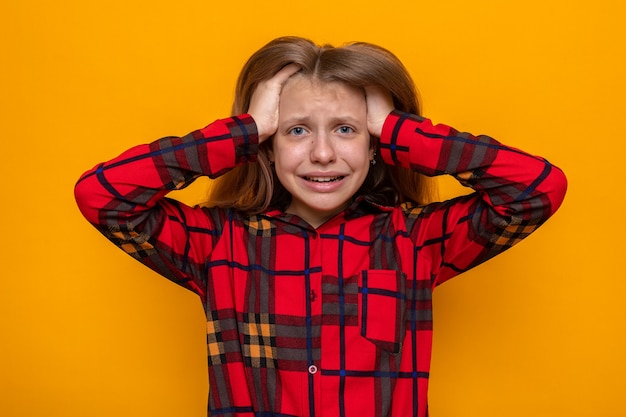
(88, 332)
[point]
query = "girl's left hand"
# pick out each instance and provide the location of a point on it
(379, 105)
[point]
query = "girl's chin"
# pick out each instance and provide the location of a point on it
(317, 214)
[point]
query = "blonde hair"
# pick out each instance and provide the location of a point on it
(252, 188)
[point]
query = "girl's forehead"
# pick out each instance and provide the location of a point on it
(307, 100)
(309, 84)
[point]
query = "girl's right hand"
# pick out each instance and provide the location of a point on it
(265, 100)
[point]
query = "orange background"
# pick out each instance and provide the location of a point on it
(87, 331)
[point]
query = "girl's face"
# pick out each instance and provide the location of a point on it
(321, 149)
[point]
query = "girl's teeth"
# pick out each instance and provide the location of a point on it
(323, 179)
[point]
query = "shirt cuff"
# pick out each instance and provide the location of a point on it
(397, 138)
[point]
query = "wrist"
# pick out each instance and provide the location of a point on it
(264, 129)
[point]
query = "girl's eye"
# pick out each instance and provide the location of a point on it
(345, 129)
(297, 131)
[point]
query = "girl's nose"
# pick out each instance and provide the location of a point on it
(322, 149)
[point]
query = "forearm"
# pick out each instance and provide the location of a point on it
(124, 198)
(118, 191)
(515, 192)
(512, 182)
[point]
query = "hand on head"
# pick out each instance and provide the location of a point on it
(379, 105)
(265, 100)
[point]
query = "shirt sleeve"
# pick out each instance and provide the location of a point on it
(514, 192)
(125, 198)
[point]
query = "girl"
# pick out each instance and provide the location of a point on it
(317, 253)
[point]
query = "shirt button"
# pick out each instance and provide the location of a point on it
(312, 369)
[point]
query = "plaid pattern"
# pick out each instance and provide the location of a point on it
(334, 321)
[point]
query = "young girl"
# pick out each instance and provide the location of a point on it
(317, 254)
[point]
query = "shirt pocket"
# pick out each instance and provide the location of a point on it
(382, 309)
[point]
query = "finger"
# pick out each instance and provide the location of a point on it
(378, 99)
(274, 84)
(379, 104)
(286, 72)
(265, 101)
(277, 82)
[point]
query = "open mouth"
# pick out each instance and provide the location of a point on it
(324, 179)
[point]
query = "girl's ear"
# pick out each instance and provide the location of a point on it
(373, 147)
(266, 149)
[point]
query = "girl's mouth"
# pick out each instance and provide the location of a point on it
(324, 179)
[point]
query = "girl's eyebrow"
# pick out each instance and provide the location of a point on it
(306, 119)
(295, 120)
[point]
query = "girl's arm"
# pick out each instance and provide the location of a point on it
(514, 192)
(124, 198)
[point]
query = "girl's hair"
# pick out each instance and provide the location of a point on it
(254, 187)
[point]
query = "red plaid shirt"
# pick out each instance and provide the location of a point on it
(333, 321)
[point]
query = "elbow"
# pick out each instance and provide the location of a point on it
(85, 198)
(539, 201)
(556, 188)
